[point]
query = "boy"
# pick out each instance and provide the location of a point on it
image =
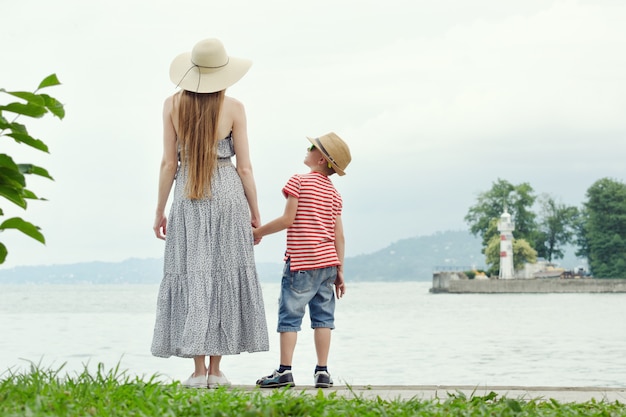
(313, 259)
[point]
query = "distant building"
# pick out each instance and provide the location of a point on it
(506, 227)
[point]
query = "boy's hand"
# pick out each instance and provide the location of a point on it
(255, 234)
(340, 285)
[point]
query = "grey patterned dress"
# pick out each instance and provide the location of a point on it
(210, 300)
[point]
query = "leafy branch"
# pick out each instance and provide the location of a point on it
(12, 174)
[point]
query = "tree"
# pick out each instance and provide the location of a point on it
(581, 234)
(518, 200)
(13, 175)
(602, 229)
(522, 253)
(557, 227)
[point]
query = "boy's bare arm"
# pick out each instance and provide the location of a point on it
(279, 223)
(340, 242)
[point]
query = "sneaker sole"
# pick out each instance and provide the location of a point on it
(278, 385)
(323, 385)
(216, 386)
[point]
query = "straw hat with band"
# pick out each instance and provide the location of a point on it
(334, 150)
(207, 68)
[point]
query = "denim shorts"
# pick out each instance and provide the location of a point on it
(313, 287)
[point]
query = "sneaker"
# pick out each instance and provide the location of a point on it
(215, 381)
(276, 380)
(195, 382)
(323, 380)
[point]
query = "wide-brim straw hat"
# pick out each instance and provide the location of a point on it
(334, 150)
(207, 68)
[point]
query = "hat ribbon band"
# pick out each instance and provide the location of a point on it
(319, 145)
(199, 66)
(218, 66)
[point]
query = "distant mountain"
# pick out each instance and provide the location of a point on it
(130, 271)
(416, 258)
(411, 259)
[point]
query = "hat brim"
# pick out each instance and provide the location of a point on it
(190, 77)
(315, 142)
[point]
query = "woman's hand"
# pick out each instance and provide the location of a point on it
(160, 226)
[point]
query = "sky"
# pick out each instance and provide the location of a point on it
(437, 100)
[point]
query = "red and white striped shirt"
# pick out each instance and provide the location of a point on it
(311, 237)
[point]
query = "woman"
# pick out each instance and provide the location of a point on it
(210, 301)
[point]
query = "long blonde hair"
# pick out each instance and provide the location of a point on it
(198, 116)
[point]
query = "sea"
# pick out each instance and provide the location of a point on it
(387, 333)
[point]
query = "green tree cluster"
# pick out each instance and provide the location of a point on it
(598, 229)
(516, 199)
(602, 229)
(556, 227)
(483, 218)
(12, 174)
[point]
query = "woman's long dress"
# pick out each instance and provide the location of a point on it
(210, 300)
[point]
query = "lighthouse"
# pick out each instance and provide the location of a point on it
(506, 227)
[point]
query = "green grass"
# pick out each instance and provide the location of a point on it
(47, 392)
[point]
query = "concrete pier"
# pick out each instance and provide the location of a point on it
(457, 283)
(430, 392)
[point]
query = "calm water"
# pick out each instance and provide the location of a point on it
(387, 333)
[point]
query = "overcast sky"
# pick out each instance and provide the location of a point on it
(437, 100)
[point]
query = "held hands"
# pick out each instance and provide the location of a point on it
(255, 225)
(340, 285)
(255, 234)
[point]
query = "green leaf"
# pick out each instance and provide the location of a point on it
(28, 109)
(12, 177)
(30, 141)
(30, 195)
(23, 226)
(3, 253)
(12, 195)
(28, 96)
(54, 106)
(4, 123)
(12, 126)
(49, 81)
(35, 170)
(7, 162)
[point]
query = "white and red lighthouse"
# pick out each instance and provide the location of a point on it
(506, 227)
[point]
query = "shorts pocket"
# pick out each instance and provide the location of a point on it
(301, 281)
